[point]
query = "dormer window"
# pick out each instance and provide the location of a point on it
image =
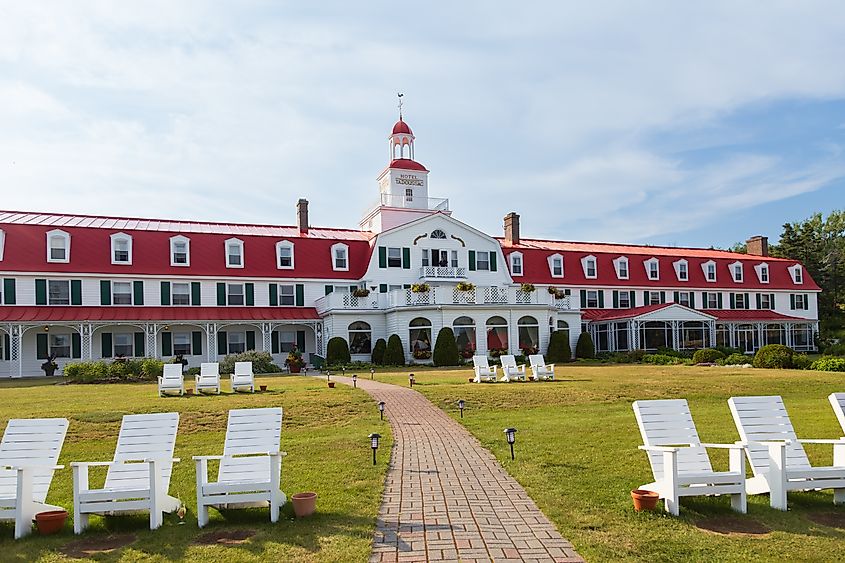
(180, 251)
(621, 265)
(652, 268)
(234, 253)
(284, 255)
(340, 257)
(516, 263)
(681, 270)
(589, 265)
(797, 273)
(737, 272)
(121, 249)
(556, 265)
(709, 269)
(762, 272)
(58, 246)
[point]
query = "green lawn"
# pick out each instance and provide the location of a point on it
(576, 454)
(324, 432)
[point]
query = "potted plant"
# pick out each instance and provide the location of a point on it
(304, 504)
(644, 500)
(527, 288)
(420, 288)
(50, 522)
(465, 286)
(50, 366)
(361, 292)
(422, 354)
(294, 361)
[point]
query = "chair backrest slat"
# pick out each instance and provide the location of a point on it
(249, 431)
(508, 360)
(837, 401)
(243, 368)
(537, 360)
(143, 436)
(480, 362)
(209, 369)
(172, 371)
(668, 422)
(764, 419)
(34, 441)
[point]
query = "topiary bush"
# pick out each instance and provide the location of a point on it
(146, 369)
(559, 349)
(707, 356)
(736, 360)
(337, 352)
(378, 352)
(395, 354)
(446, 349)
(774, 356)
(262, 362)
(831, 363)
(585, 347)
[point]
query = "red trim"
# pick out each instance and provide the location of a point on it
(407, 164)
(401, 127)
(757, 315)
(164, 314)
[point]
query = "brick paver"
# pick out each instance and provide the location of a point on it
(446, 498)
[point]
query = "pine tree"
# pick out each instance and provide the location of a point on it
(446, 349)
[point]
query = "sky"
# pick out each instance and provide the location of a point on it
(653, 122)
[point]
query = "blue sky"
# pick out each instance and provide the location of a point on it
(653, 122)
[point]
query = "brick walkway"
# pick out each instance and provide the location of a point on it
(446, 498)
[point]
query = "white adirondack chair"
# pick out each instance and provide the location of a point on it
(243, 378)
(679, 460)
(208, 378)
(837, 401)
(138, 477)
(540, 369)
(250, 467)
(483, 370)
(777, 457)
(171, 380)
(511, 371)
(29, 452)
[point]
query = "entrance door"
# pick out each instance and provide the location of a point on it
(745, 339)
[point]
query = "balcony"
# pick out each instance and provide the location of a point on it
(412, 202)
(442, 273)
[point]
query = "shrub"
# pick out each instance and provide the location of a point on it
(146, 369)
(835, 350)
(773, 356)
(262, 362)
(192, 371)
(378, 352)
(395, 354)
(663, 360)
(707, 356)
(736, 360)
(585, 347)
(727, 350)
(676, 353)
(829, 363)
(337, 352)
(801, 361)
(446, 349)
(559, 350)
(636, 356)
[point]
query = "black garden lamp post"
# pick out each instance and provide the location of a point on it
(510, 434)
(372, 373)
(343, 370)
(328, 375)
(354, 380)
(411, 380)
(381, 409)
(374, 444)
(461, 405)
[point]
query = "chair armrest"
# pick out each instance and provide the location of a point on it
(207, 457)
(35, 466)
(723, 446)
(550, 366)
(92, 463)
(825, 441)
(241, 454)
(661, 448)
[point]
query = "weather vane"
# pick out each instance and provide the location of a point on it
(399, 95)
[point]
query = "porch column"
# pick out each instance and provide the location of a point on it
(267, 337)
(732, 335)
(760, 335)
(676, 344)
(150, 330)
(15, 355)
(319, 340)
(211, 341)
(790, 327)
(634, 334)
(711, 325)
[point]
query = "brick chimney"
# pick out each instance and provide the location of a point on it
(758, 246)
(511, 229)
(302, 215)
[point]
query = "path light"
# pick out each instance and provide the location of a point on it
(510, 433)
(354, 380)
(461, 406)
(381, 409)
(411, 380)
(328, 375)
(372, 373)
(343, 370)
(374, 444)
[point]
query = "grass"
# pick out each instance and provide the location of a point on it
(324, 433)
(576, 455)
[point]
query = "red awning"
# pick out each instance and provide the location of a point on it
(171, 314)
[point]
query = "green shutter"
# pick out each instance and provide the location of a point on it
(250, 294)
(733, 300)
(615, 299)
(105, 345)
(719, 300)
(274, 342)
(274, 294)
(663, 297)
(806, 302)
(222, 343)
(76, 292)
(75, 345)
(166, 344)
(196, 343)
(406, 286)
(382, 257)
(646, 300)
(105, 292)
(9, 291)
(601, 298)
(633, 298)
(41, 292)
(300, 295)
(759, 300)
(676, 297)
(221, 294)
(300, 340)
(583, 298)
(41, 351)
(382, 288)
(493, 261)
(329, 289)
(165, 293)
(7, 347)
(138, 291)
(692, 300)
(472, 260)
(250, 340)
(792, 302)
(195, 294)
(406, 258)
(772, 304)
(140, 351)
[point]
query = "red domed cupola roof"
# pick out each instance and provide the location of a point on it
(401, 127)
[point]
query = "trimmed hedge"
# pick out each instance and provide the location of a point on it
(559, 350)
(378, 352)
(146, 369)
(829, 364)
(664, 360)
(337, 352)
(801, 361)
(262, 362)
(585, 347)
(774, 356)
(446, 349)
(707, 356)
(395, 354)
(737, 360)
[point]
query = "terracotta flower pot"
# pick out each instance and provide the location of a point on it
(295, 368)
(304, 504)
(471, 379)
(50, 522)
(262, 387)
(189, 391)
(644, 500)
(331, 384)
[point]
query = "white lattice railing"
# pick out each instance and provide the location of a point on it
(420, 298)
(443, 272)
(463, 297)
(562, 303)
(495, 294)
(351, 301)
(524, 297)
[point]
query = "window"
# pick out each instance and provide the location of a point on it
(180, 251)
(497, 336)
(592, 299)
(235, 293)
(360, 338)
(60, 345)
(711, 300)
(556, 265)
(621, 265)
(654, 298)
(287, 341)
(589, 265)
(797, 274)
(762, 272)
(284, 255)
(58, 246)
(652, 268)
(529, 335)
(234, 253)
(681, 270)
(409, 194)
(482, 261)
(736, 272)
(800, 301)
(624, 299)
(182, 344)
(394, 257)
(694, 335)
(709, 269)
(287, 295)
(464, 329)
(419, 332)
(438, 234)
(740, 300)
(236, 342)
(58, 292)
(516, 263)
(684, 298)
(181, 294)
(766, 301)
(454, 259)
(340, 257)
(121, 249)
(121, 293)
(123, 344)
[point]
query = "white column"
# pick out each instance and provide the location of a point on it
(150, 330)
(712, 327)
(15, 354)
(211, 341)
(676, 341)
(267, 337)
(86, 332)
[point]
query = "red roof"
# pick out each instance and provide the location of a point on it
(615, 314)
(401, 127)
(751, 315)
(166, 314)
(407, 164)
(757, 315)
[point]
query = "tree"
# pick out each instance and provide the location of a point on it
(395, 354)
(378, 352)
(446, 349)
(337, 352)
(559, 349)
(585, 347)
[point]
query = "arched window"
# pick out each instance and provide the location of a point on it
(419, 332)
(464, 328)
(529, 335)
(438, 234)
(497, 336)
(360, 338)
